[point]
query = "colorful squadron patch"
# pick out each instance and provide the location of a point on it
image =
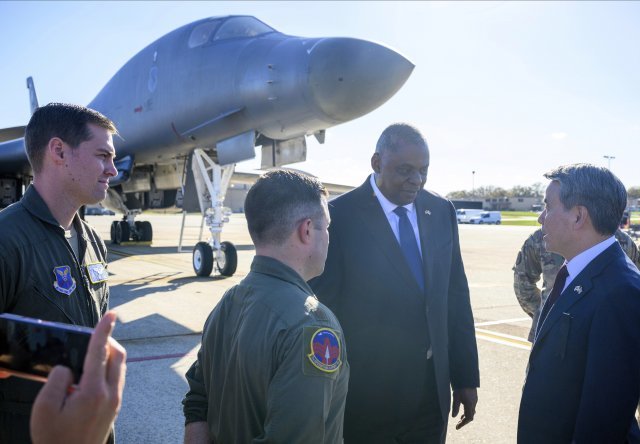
(64, 283)
(325, 350)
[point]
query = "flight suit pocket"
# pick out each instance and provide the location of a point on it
(43, 311)
(561, 335)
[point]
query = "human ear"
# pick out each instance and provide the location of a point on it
(56, 150)
(304, 231)
(581, 215)
(375, 162)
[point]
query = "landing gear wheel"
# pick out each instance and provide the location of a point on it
(498, 223)
(145, 232)
(227, 259)
(202, 259)
(113, 231)
(122, 232)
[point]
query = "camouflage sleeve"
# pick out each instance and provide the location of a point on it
(629, 247)
(526, 274)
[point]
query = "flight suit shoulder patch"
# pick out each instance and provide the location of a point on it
(64, 283)
(322, 351)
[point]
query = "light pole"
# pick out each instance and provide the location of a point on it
(609, 158)
(473, 184)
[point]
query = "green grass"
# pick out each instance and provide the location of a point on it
(519, 214)
(523, 218)
(521, 222)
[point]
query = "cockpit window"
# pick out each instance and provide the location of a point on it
(241, 27)
(202, 33)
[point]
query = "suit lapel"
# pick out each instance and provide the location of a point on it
(376, 222)
(578, 288)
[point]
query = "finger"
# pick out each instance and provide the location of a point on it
(469, 410)
(455, 408)
(116, 367)
(54, 392)
(463, 422)
(4, 374)
(97, 353)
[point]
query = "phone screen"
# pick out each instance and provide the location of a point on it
(31, 347)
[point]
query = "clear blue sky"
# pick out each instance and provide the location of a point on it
(506, 89)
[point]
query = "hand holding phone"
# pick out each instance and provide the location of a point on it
(30, 348)
(85, 415)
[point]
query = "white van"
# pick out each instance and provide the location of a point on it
(463, 215)
(487, 217)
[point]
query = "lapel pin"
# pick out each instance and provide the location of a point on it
(578, 289)
(427, 212)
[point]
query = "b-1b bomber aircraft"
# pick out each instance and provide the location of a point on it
(198, 100)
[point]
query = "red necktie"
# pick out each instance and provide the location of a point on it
(558, 285)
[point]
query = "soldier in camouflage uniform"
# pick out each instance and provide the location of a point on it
(533, 260)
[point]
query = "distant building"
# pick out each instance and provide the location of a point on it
(512, 203)
(241, 182)
(500, 204)
(467, 204)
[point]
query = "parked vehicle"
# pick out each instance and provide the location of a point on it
(487, 217)
(98, 211)
(463, 215)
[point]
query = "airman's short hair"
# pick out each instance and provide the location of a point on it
(66, 121)
(279, 201)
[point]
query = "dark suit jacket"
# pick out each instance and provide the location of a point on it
(388, 321)
(583, 380)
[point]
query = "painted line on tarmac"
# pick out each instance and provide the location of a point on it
(119, 252)
(159, 357)
(503, 321)
(145, 258)
(498, 338)
(504, 339)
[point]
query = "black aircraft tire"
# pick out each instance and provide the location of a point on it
(147, 231)
(202, 259)
(113, 231)
(122, 232)
(228, 265)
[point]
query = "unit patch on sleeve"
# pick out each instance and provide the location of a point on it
(324, 350)
(64, 283)
(97, 272)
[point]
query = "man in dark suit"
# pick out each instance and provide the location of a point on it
(395, 279)
(583, 379)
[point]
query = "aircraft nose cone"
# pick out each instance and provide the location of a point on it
(349, 77)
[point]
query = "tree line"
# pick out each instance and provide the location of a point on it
(535, 190)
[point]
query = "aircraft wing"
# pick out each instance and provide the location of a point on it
(12, 133)
(13, 157)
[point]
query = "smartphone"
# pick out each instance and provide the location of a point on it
(30, 348)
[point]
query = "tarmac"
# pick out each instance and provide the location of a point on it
(162, 306)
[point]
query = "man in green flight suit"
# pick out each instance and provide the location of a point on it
(273, 364)
(53, 266)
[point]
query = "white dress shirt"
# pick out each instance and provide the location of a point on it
(578, 263)
(393, 218)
